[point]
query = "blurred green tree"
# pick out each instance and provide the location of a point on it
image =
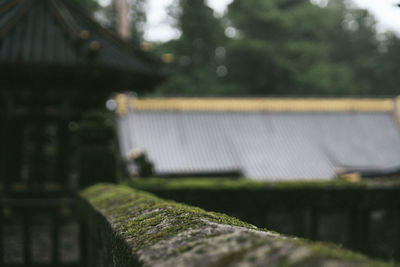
(284, 47)
(386, 79)
(89, 5)
(138, 15)
(139, 19)
(277, 47)
(199, 52)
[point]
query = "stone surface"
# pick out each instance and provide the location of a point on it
(139, 229)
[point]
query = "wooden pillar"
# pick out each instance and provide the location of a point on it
(359, 221)
(83, 242)
(396, 255)
(364, 221)
(123, 18)
(27, 238)
(38, 174)
(314, 224)
(299, 220)
(1, 234)
(3, 140)
(55, 237)
(63, 154)
(13, 138)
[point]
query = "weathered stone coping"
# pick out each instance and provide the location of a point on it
(136, 228)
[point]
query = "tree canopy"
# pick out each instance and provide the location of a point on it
(277, 47)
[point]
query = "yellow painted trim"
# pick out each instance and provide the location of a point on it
(396, 111)
(262, 104)
(398, 107)
(122, 104)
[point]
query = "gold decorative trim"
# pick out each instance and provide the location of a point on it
(396, 111)
(122, 104)
(262, 104)
(398, 106)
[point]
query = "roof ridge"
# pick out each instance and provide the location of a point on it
(90, 20)
(63, 20)
(110, 34)
(31, 27)
(7, 5)
(22, 7)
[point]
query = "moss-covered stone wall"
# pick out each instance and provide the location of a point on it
(128, 227)
(362, 216)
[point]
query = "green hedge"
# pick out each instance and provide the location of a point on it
(97, 164)
(97, 161)
(232, 184)
(129, 227)
(96, 128)
(228, 195)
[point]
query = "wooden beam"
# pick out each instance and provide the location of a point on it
(123, 18)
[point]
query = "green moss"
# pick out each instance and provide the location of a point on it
(139, 220)
(235, 184)
(137, 214)
(335, 252)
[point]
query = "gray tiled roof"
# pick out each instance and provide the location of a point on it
(262, 145)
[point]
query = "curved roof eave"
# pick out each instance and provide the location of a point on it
(56, 33)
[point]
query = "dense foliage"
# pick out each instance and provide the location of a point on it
(278, 47)
(108, 15)
(88, 5)
(282, 48)
(198, 53)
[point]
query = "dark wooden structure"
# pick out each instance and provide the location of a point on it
(56, 62)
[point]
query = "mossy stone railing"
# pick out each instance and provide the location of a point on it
(128, 227)
(362, 216)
